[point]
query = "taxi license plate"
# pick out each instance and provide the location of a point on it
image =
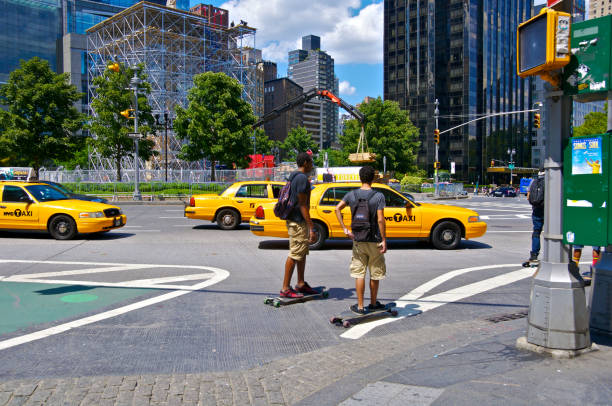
(117, 222)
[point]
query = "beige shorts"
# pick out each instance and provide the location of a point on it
(368, 255)
(298, 240)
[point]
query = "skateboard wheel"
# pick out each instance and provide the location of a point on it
(267, 300)
(276, 304)
(334, 320)
(346, 324)
(394, 313)
(325, 294)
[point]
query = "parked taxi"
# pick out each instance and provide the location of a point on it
(38, 206)
(442, 225)
(234, 205)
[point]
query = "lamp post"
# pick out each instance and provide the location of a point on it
(167, 120)
(436, 115)
(135, 82)
(511, 152)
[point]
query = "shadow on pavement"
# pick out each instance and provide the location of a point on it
(43, 235)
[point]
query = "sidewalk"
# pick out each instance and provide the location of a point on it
(461, 363)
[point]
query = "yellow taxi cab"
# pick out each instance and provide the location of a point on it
(234, 205)
(38, 206)
(442, 225)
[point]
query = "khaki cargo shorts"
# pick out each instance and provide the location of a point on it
(368, 255)
(298, 240)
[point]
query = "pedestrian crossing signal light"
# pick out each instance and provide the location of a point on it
(114, 66)
(437, 136)
(543, 44)
(126, 113)
(536, 120)
(492, 163)
(437, 165)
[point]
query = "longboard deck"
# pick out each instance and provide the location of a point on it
(349, 318)
(283, 301)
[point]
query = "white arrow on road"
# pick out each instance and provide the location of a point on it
(413, 302)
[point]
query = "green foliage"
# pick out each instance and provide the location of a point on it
(594, 123)
(109, 126)
(217, 122)
(388, 132)
(40, 119)
(263, 144)
(298, 140)
(80, 157)
(334, 157)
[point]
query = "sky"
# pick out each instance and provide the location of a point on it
(351, 32)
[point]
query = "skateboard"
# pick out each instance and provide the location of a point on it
(348, 318)
(283, 301)
(531, 264)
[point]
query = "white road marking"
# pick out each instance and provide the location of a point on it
(216, 275)
(411, 302)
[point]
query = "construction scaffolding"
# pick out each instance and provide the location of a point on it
(173, 45)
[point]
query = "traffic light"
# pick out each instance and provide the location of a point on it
(536, 120)
(437, 136)
(126, 113)
(543, 44)
(492, 163)
(114, 66)
(437, 165)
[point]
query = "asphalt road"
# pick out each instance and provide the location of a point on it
(167, 294)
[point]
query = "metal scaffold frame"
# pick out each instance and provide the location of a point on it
(173, 45)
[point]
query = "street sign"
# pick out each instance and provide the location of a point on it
(135, 135)
(561, 5)
(552, 3)
(511, 166)
(452, 168)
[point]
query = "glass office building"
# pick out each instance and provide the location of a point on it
(463, 53)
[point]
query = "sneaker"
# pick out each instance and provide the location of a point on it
(377, 306)
(587, 277)
(290, 294)
(306, 289)
(355, 309)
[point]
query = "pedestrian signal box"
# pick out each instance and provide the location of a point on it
(586, 191)
(543, 43)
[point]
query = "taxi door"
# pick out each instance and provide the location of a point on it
(17, 209)
(326, 209)
(402, 217)
(249, 196)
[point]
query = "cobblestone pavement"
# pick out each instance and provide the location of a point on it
(280, 382)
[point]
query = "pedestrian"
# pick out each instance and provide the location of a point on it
(535, 196)
(577, 253)
(300, 229)
(369, 238)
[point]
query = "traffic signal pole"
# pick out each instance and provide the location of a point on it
(558, 317)
(437, 145)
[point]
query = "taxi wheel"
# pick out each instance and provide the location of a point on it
(446, 236)
(62, 227)
(321, 233)
(228, 219)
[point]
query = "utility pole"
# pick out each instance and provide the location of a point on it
(436, 115)
(511, 152)
(135, 82)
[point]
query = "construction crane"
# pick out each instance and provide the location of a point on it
(361, 156)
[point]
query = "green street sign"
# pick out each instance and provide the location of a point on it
(587, 76)
(511, 166)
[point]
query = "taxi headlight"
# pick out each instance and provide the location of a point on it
(91, 215)
(473, 219)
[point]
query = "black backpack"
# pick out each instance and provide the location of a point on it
(361, 224)
(284, 205)
(536, 192)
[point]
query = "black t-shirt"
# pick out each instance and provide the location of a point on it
(299, 184)
(376, 202)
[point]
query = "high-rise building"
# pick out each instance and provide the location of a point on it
(599, 8)
(312, 68)
(278, 92)
(457, 52)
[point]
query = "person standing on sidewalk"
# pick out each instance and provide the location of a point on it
(300, 228)
(368, 233)
(535, 196)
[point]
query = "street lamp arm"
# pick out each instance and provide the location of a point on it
(507, 113)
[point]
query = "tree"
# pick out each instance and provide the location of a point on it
(298, 140)
(263, 144)
(594, 123)
(41, 119)
(109, 126)
(388, 132)
(217, 123)
(334, 157)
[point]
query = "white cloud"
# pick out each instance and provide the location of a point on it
(346, 89)
(282, 23)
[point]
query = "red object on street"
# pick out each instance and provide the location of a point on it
(261, 161)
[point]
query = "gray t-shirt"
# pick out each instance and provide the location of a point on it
(299, 184)
(375, 203)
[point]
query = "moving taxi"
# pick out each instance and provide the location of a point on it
(442, 225)
(38, 206)
(234, 205)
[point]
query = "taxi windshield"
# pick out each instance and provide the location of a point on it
(45, 193)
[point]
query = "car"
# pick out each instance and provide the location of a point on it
(38, 206)
(504, 192)
(441, 225)
(73, 195)
(235, 205)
